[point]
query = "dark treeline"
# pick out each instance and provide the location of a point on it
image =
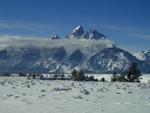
(131, 75)
(80, 76)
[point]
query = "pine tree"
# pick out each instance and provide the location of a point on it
(133, 73)
(78, 75)
(74, 74)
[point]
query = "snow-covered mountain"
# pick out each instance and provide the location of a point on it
(58, 55)
(79, 33)
(94, 34)
(55, 37)
(112, 60)
(30, 59)
(90, 51)
(143, 56)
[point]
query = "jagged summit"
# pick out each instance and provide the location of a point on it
(79, 33)
(76, 33)
(94, 34)
(54, 37)
(78, 29)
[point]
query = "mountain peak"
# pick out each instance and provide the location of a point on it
(94, 34)
(110, 60)
(54, 37)
(77, 32)
(79, 27)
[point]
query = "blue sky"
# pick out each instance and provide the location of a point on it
(126, 22)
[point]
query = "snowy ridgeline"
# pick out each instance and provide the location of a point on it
(19, 95)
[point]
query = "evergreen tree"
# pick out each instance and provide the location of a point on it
(133, 73)
(114, 77)
(55, 76)
(78, 75)
(62, 76)
(81, 76)
(74, 74)
(102, 79)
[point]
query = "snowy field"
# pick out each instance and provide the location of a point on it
(19, 95)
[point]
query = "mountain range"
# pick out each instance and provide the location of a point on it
(90, 51)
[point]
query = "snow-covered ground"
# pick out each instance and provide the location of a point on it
(19, 95)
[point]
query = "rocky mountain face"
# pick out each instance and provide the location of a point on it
(90, 51)
(111, 60)
(30, 59)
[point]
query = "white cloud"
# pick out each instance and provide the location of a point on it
(19, 41)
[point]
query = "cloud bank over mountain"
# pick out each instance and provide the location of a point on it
(18, 41)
